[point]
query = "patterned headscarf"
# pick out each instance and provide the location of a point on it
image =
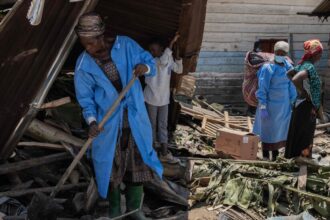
(312, 48)
(90, 25)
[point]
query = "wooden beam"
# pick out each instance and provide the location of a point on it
(41, 145)
(17, 193)
(326, 125)
(25, 164)
(56, 103)
(44, 132)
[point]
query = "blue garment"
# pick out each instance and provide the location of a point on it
(96, 94)
(277, 93)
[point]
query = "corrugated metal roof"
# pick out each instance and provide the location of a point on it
(145, 19)
(323, 8)
(30, 58)
(29, 67)
(141, 19)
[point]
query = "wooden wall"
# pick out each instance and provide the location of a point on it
(232, 27)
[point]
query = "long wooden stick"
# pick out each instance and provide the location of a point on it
(90, 140)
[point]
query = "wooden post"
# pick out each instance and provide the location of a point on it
(204, 123)
(249, 122)
(226, 119)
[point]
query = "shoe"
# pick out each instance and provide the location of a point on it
(168, 158)
(114, 203)
(133, 202)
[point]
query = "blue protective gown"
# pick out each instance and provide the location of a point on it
(278, 94)
(96, 94)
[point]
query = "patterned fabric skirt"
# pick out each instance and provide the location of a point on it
(128, 165)
(301, 131)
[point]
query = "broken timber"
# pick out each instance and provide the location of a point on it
(42, 131)
(56, 103)
(17, 193)
(25, 164)
(212, 121)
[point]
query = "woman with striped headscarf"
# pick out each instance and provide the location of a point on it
(308, 105)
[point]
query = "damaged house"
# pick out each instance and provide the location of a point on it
(234, 27)
(43, 129)
(38, 52)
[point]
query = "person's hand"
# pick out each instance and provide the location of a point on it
(93, 130)
(140, 70)
(174, 40)
(264, 113)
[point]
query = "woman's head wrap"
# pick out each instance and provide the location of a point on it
(311, 48)
(90, 25)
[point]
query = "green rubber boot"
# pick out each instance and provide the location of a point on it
(133, 201)
(114, 203)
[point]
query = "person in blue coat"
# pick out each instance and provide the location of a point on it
(122, 151)
(276, 95)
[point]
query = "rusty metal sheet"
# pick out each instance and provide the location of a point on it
(30, 58)
(141, 19)
(145, 19)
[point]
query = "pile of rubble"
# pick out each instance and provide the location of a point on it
(233, 189)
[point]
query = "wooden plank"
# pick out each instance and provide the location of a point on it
(239, 46)
(213, 54)
(249, 123)
(203, 84)
(56, 103)
(26, 164)
(41, 145)
(228, 37)
(236, 8)
(217, 75)
(204, 121)
(265, 28)
(252, 37)
(206, 54)
(17, 193)
(311, 3)
(44, 132)
(222, 68)
(219, 46)
(302, 178)
(220, 91)
(260, 19)
(226, 119)
(304, 37)
(221, 61)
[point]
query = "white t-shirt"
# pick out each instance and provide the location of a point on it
(157, 90)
